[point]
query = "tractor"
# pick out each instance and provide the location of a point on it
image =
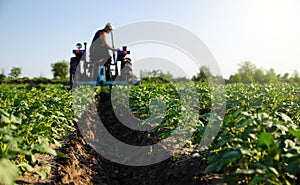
(117, 71)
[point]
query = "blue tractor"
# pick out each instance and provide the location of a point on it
(114, 72)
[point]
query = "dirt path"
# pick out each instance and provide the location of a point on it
(85, 166)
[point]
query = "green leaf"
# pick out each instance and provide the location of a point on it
(26, 167)
(15, 119)
(256, 180)
(246, 171)
(291, 156)
(231, 156)
(4, 119)
(245, 123)
(220, 166)
(60, 154)
(295, 133)
(20, 151)
(266, 139)
(253, 136)
(274, 171)
(283, 128)
(33, 159)
(44, 149)
(56, 143)
(293, 168)
(285, 117)
(8, 172)
(213, 158)
(43, 171)
(213, 167)
(260, 167)
(237, 113)
(166, 134)
(231, 179)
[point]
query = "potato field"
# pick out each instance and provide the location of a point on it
(257, 140)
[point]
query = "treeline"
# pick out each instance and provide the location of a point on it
(59, 69)
(246, 73)
(36, 80)
(249, 73)
(158, 75)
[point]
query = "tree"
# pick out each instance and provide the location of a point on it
(2, 75)
(296, 77)
(166, 76)
(246, 68)
(15, 72)
(156, 73)
(60, 69)
(236, 78)
(247, 78)
(259, 76)
(271, 76)
(203, 75)
(246, 71)
(285, 77)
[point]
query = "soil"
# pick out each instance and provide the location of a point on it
(86, 166)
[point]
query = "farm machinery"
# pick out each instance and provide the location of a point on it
(115, 71)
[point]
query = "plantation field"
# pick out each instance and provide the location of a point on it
(257, 140)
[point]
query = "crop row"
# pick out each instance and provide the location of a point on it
(257, 139)
(32, 120)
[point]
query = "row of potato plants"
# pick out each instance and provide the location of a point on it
(33, 118)
(259, 138)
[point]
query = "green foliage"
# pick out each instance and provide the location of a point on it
(296, 77)
(15, 72)
(271, 76)
(8, 172)
(2, 77)
(203, 75)
(259, 140)
(163, 103)
(31, 119)
(245, 73)
(258, 143)
(248, 73)
(156, 74)
(60, 69)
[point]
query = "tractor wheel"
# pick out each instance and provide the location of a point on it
(127, 71)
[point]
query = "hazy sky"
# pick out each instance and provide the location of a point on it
(36, 33)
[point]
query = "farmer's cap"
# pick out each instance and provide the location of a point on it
(110, 26)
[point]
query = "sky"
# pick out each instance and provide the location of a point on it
(36, 33)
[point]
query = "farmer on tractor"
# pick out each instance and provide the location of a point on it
(101, 69)
(99, 50)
